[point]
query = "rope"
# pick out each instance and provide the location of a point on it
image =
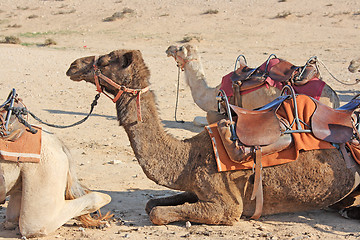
(23, 111)
(177, 96)
(18, 112)
(348, 84)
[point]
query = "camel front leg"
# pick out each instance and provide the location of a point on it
(199, 212)
(43, 204)
(174, 200)
(13, 210)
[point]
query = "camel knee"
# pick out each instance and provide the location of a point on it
(150, 205)
(158, 217)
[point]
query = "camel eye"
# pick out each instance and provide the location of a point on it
(181, 48)
(103, 61)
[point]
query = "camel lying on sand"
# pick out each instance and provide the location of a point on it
(354, 65)
(204, 96)
(45, 195)
(315, 180)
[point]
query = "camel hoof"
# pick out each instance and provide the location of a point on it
(351, 212)
(10, 225)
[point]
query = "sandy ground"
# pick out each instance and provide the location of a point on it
(294, 30)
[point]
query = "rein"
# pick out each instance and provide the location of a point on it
(181, 66)
(339, 81)
(122, 89)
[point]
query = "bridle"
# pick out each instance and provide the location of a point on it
(181, 61)
(122, 89)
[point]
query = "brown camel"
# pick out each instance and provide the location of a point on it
(315, 180)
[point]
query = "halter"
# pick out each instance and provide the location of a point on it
(181, 61)
(122, 89)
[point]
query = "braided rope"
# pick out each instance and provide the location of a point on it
(19, 111)
(348, 84)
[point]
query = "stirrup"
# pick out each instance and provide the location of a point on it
(11, 100)
(221, 97)
(297, 120)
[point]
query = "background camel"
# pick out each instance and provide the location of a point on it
(204, 96)
(45, 195)
(317, 179)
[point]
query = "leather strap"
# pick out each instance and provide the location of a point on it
(257, 190)
(350, 163)
(258, 168)
(259, 201)
(2, 187)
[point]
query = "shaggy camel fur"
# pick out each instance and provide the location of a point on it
(315, 180)
(45, 195)
(188, 58)
(354, 65)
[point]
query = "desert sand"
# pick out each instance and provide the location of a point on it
(222, 29)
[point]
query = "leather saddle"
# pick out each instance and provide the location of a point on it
(261, 132)
(262, 127)
(277, 69)
(14, 129)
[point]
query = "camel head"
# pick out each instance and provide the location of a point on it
(354, 65)
(121, 66)
(182, 54)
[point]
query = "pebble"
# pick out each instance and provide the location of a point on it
(115, 162)
(187, 224)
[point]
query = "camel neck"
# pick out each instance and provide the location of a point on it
(203, 95)
(161, 156)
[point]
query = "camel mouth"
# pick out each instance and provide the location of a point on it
(353, 70)
(171, 51)
(76, 78)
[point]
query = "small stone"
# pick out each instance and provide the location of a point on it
(115, 162)
(187, 224)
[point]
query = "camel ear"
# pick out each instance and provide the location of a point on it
(127, 59)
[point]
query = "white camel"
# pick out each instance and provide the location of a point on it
(204, 96)
(45, 195)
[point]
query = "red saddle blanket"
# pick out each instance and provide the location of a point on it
(25, 149)
(301, 141)
(312, 88)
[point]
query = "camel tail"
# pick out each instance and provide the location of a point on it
(74, 189)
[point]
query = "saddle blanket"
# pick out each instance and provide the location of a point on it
(301, 141)
(25, 149)
(312, 88)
